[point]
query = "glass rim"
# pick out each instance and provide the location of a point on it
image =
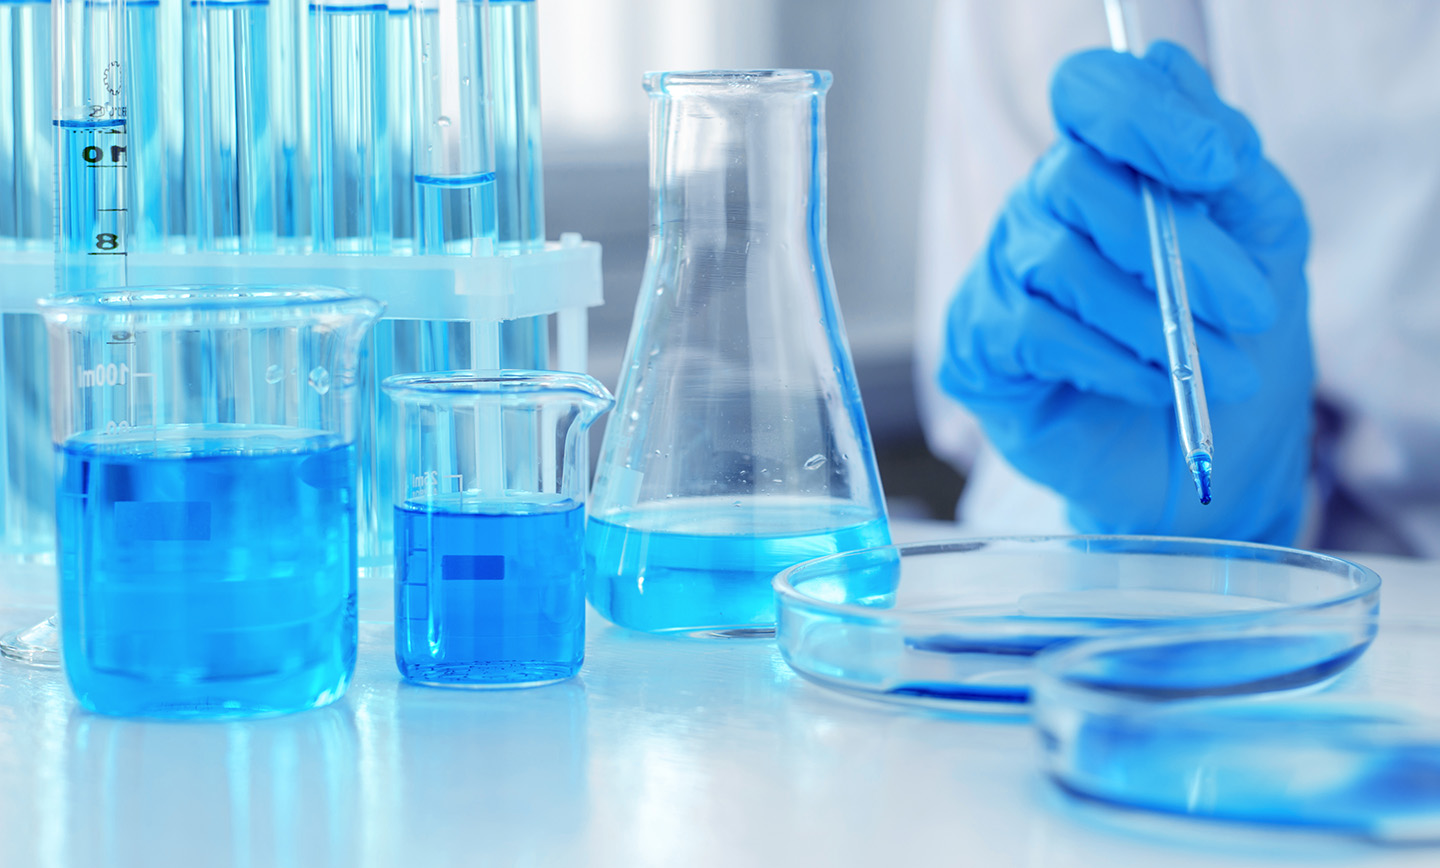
(740, 82)
(459, 387)
(1367, 581)
(205, 298)
(1056, 663)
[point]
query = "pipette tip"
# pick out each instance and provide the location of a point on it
(1200, 470)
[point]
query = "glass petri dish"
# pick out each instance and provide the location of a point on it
(956, 625)
(1214, 722)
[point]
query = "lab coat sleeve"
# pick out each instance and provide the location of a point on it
(988, 119)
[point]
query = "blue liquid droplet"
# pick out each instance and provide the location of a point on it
(1200, 470)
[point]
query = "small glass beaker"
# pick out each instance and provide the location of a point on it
(492, 470)
(205, 502)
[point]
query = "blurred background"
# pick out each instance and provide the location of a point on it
(596, 129)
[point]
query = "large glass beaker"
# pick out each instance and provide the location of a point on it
(205, 505)
(739, 446)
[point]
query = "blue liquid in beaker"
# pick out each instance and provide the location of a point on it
(708, 562)
(490, 592)
(218, 574)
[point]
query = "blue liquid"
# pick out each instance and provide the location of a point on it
(94, 158)
(456, 214)
(1313, 766)
(492, 595)
(706, 564)
(200, 579)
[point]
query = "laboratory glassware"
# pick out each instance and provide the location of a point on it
(955, 625)
(229, 147)
(1191, 413)
(491, 474)
(26, 155)
(352, 174)
(739, 445)
(454, 184)
(1203, 723)
(27, 160)
(205, 506)
(519, 191)
(90, 234)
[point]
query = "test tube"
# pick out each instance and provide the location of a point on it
(146, 120)
(1191, 411)
(454, 154)
(519, 191)
(92, 158)
(399, 81)
(290, 120)
(26, 152)
(229, 158)
(351, 164)
(455, 177)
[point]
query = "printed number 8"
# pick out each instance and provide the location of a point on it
(107, 241)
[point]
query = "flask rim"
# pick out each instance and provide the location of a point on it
(737, 82)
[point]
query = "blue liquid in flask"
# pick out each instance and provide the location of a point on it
(210, 573)
(707, 563)
(489, 592)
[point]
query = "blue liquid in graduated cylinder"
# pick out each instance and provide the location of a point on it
(491, 595)
(707, 563)
(207, 582)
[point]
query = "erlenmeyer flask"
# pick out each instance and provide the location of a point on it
(739, 445)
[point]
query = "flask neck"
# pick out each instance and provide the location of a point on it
(743, 156)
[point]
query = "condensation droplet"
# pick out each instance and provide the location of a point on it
(274, 374)
(320, 379)
(634, 416)
(814, 461)
(442, 121)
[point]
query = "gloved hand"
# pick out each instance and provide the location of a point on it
(1054, 337)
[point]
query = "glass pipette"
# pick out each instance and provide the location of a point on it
(1190, 409)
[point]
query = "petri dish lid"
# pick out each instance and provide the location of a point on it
(955, 625)
(1223, 721)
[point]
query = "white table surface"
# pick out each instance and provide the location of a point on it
(664, 751)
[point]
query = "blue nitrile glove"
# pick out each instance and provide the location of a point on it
(1054, 339)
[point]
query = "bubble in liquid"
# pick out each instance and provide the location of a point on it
(320, 379)
(442, 121)
(274, 374)
(814, 461)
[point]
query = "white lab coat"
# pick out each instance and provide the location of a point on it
(1346, 96)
